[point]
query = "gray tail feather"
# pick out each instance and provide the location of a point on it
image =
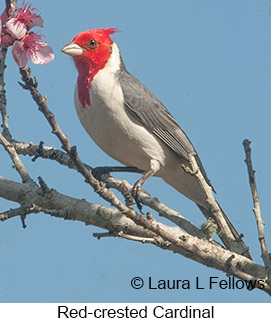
(234, 232)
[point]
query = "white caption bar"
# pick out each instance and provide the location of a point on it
(120, 312)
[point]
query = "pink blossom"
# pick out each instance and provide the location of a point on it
(33, 48)
(15, 31)
(27, 16)
(25, 19)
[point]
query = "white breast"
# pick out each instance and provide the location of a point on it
(106, 121)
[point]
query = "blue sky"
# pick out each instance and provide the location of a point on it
(209, 62)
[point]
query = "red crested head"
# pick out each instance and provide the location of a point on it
(90, 50)
(96, 45)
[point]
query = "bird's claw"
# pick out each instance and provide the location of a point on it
(135, 191)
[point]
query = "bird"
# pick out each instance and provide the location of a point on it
(127, 121)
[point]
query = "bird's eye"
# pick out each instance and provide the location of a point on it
(92, 43)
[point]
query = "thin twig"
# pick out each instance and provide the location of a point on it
(124, 236)
(3, 99)
(21, 211)
(11, 214)
(25, 210)
(41, 151)
(256, 208)
(8, 6)
(136, 238)
(18, 164)
(225, 232)
(100, 235)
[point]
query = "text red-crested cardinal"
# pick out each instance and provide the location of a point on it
(126, 120)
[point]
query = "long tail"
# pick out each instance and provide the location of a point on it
(238, 238)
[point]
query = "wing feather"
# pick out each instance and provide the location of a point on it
(143, 107)
(147, 110)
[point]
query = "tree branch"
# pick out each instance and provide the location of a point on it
(256, 208)
(19, 166)
(8, 5)
(125, 236)
(225, 233)
(201, 250)
(59, 205)
(154, 203)
(111, 182)
(3, 99)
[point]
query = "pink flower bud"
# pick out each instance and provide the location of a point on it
(6, 40)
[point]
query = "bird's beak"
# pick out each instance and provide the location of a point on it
(72, 49)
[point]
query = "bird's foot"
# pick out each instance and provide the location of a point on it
(129, 201)
(98, 172)
(135, 194)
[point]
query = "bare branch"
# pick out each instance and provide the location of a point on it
(3, 99)
(256, 208)
(58, 205)
(163, 210)
(124, 236)
(23, 211)
(122, 186)
(100, 235)
(11, 213)
(41, 151)
(201, 250)
(111, 182)
(8, 6)
(18, 164)
(225, 228)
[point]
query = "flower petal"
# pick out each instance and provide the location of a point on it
(16, 28)
(43, 55)
(28, 16)
(19, 54)
(37, 21)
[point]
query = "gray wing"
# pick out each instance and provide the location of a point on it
(143, 107)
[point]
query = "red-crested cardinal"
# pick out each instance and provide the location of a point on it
(127, 121)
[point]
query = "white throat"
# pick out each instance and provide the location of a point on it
(105, 83)
(112, 66)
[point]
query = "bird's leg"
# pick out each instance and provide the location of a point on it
(138, 186)
(97, 172)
